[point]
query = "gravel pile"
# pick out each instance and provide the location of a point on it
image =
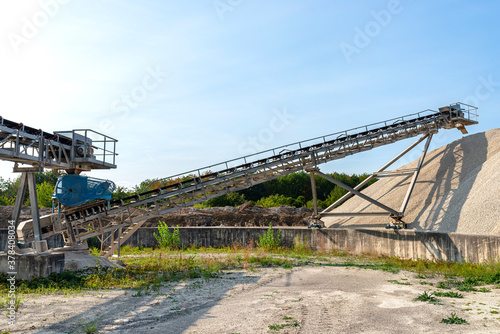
(458, 190)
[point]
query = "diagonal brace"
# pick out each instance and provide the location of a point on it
(374, 175)
(415, 175)
(393, 212)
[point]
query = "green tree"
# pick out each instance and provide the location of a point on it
(121, 192)
(275, 200)
(232, 199)
(44, 193)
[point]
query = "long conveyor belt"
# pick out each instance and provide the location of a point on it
(196, 186)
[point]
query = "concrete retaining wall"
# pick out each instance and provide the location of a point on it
(405, 244)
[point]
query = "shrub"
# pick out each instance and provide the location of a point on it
(278, 200)
(300, 246)
(167, 239)
(270, 240)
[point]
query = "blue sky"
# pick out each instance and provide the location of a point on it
(183, 84)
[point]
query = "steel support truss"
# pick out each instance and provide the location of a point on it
(28, 181)
(395, 215)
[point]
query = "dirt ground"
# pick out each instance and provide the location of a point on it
(307, 299)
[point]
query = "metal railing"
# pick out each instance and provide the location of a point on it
(91, 146)
(290, 147)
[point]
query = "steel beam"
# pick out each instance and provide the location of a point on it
(35, 214)
(353, 214)
(21, 191)
(355, 192)
(314, 192)
(415, 175)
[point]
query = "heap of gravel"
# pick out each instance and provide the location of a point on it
(457, 190)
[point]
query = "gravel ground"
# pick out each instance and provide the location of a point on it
(316, 299)
(457, 190)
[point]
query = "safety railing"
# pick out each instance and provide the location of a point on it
(312, 143)
(92, 146)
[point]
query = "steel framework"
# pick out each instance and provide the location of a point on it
(169, 194)
(32, 150)
(395, 215)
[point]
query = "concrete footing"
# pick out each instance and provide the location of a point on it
(40, 246)
(28, 266)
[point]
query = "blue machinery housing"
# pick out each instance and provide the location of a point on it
(75, 190)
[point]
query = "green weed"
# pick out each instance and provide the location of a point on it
(427, 297)
(451, 294)
(89, 328)
(277, 327)
(270, 240)
(167, 239)
(398, 282)
(301, 247)
(453, 319)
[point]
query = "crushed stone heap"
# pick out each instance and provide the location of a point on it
(458, 190)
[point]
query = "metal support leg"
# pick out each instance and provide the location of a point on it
(316, 218)
(119, 239)
(23, 183)
(35, 214)
(113, 241)
(314, 193)
(38, 244)
(415, 175)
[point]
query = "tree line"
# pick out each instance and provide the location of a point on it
(292, 190)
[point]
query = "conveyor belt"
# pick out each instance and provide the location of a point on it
(196, 186)
(331, 147)
(59, 150)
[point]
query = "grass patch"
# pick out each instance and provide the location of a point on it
(148, 269)
(398, 282)
(450, 294)
(277, 327)
(89, 328)
(427, 297)
(454, 320)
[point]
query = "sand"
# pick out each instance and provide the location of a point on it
(319, 299)
(457, 190)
